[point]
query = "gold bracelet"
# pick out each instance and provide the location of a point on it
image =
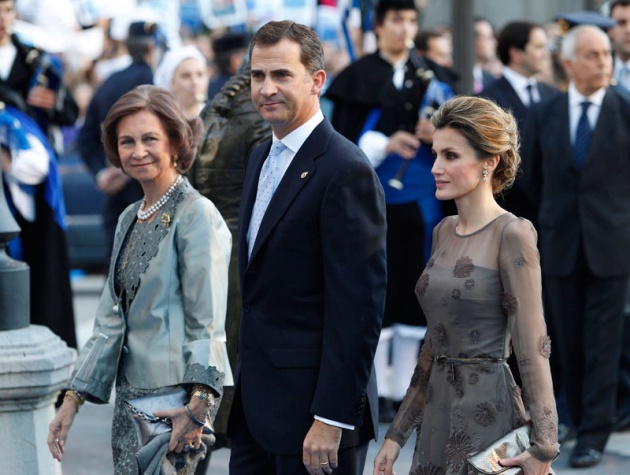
(203, 393)
(76, 396)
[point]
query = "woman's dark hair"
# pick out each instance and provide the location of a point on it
(183, 133)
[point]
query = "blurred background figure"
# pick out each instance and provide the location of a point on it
(33, 190)
(32, 80)
(620, 36)
(436, 47)
(184, 72)
(523, 49)
(229, 51)
(145, 44)
(487, 66)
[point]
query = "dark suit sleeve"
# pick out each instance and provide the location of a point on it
(89, 139)
(353, 241)
(530, 158)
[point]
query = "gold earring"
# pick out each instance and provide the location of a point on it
(175, 157)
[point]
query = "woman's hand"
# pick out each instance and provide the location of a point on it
(185, 435)
(530, 465)
(59, 427)
(384, 461)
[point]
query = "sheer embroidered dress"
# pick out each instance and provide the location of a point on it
(481, 294)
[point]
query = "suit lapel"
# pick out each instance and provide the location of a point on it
(605, 128)
(300, 171)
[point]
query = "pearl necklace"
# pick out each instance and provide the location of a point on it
(151, 210)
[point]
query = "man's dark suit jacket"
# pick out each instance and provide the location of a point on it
(313, 296)
(592, 206)
(501, 91)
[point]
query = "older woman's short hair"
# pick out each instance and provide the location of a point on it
(488, 129)
(184, 133)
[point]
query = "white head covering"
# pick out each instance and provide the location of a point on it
(172, 59)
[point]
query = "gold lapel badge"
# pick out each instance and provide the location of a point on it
(166, 220)
(303, 175)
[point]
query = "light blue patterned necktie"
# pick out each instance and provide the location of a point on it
(582, 136)
(267, 184)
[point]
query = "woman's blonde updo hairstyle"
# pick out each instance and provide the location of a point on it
(489, 130)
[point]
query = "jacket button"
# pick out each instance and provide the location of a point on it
(116, 308)
(246, 308)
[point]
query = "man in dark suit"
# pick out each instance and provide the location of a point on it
(522, 48)
(143, 43)
(576, 167)
(313, 276)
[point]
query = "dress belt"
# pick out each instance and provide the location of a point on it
(449, 360)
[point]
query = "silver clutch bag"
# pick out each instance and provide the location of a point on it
(141, 410)
(486, 462)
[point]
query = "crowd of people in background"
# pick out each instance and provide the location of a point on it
(566, 86)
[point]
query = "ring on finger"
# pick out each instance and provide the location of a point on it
(324, 463)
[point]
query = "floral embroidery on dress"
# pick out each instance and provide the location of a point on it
(469, 284)
(427, 470)
(487, 366)
(520, 262)
(430, 263)
(456, 294)
(475, 336)
(501, 406)
(458, 448)
(547, 426)
(473, 378)
(422, 285)
(484, 414)
(509, 303)
(439, 335)
(545, 346)
(463, 267)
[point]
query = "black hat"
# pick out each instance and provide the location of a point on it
(569, 20)
(230, 42)
(385, 5)
(142, 28)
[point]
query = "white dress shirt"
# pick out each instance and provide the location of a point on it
(575, 107)
(520, 83)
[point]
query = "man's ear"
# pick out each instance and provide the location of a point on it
(319, 79)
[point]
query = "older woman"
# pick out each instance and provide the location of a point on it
(481, 293)
(160, 320)
(184, 72)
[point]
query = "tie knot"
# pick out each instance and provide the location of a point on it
(585, 105)
(277, 148)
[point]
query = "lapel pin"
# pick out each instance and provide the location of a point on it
(303, 175)
(166, 220)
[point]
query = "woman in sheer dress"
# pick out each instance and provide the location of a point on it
(481, 293)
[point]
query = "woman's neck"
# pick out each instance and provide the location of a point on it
(475, 212)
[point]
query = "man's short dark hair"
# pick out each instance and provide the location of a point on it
(618, 3)
(424, 37)
(514, 35)
(311, 51)
(384, 6)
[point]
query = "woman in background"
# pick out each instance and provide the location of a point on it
(184, 72)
